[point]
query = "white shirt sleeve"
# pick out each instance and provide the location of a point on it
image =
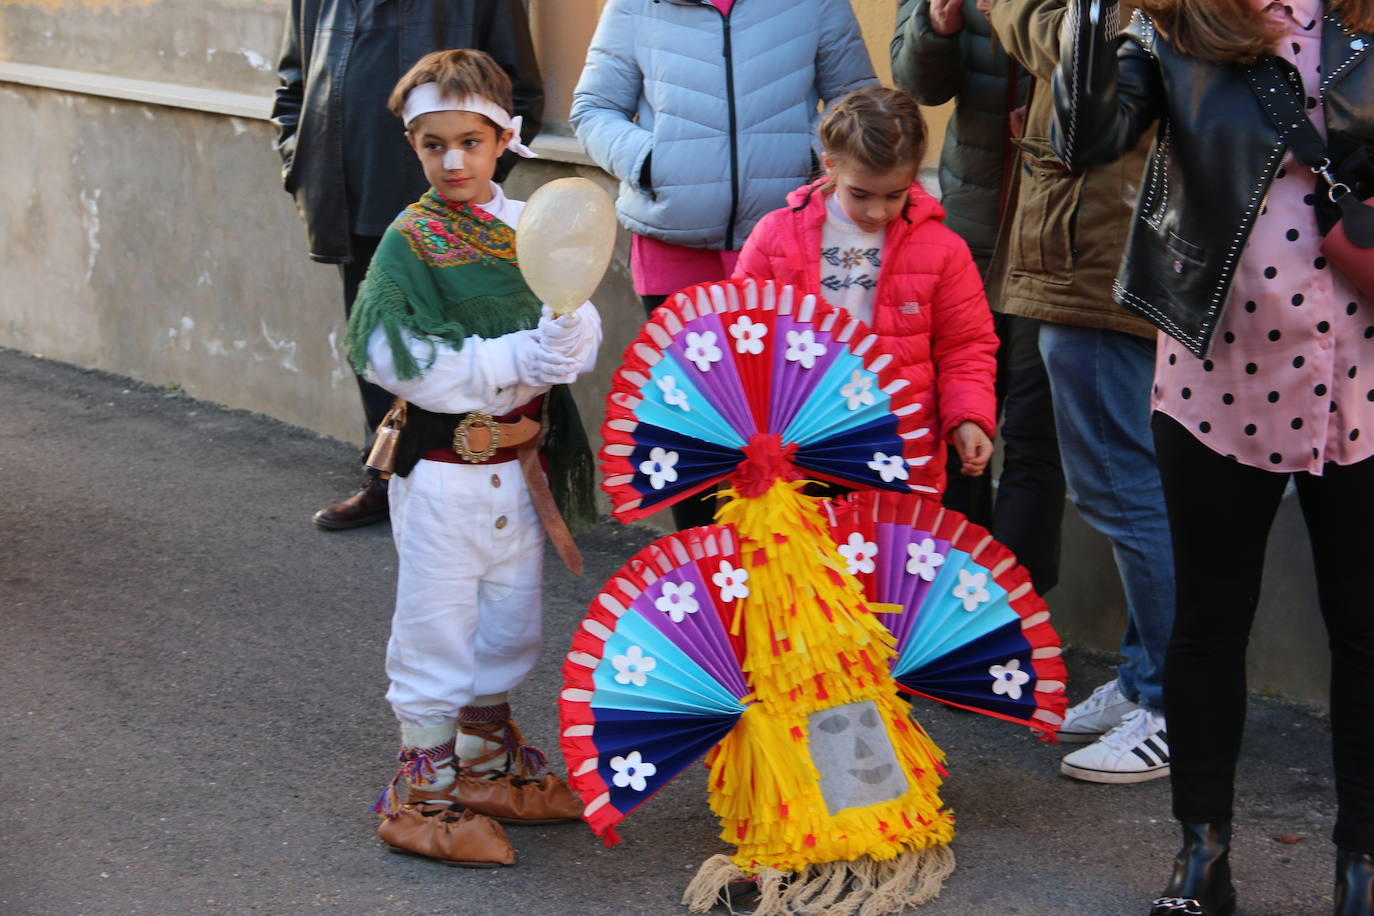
(482, 376)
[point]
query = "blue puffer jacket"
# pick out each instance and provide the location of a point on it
(726, 105)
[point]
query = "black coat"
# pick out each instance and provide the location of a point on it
(1215, 154)
(307, 110)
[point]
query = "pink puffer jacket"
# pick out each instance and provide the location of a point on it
(929, 310)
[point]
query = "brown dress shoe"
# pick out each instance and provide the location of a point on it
(506, 797)
(367, 505)
(447, 834)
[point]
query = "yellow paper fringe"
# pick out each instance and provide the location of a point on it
(811, 643)
(863, 887)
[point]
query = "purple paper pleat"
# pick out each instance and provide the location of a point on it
(895, 585)
(701, 635)
(721, 384)
(792, 384)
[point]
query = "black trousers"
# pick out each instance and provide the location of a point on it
(376, 401)
(1028, 512)
(1220, 513)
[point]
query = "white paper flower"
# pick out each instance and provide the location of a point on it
(859, 553)
(673, 396)
(1007, 679)
(660, 467)
(972, 589)
(858, 392)
(676, 600)
(802, 347)
(702, 350)
(731, 582)
(748, 335)
(632, 770)
(923, 559)
(889, 467)
(633, 667)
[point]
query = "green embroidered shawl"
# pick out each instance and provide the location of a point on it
(449, 271)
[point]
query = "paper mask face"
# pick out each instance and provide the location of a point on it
(453, 159)
(855, 757)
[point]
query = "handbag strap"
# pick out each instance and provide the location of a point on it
(1281, 101)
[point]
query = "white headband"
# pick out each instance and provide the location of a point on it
(427, 97)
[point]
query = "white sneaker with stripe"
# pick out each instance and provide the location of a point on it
(1101, 712)
(1137, 750)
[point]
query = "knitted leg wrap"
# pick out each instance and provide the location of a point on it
(489, 740)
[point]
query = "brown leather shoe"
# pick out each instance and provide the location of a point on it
(499, 794)
(364, 507)
(447, 834)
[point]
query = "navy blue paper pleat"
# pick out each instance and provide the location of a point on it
(670, 742)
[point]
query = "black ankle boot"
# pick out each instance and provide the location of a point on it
(1201, 883)
(1354, 883)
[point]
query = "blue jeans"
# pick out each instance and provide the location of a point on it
(1101, 384)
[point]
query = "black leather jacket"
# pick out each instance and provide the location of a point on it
(1215, 153)
(314, 55)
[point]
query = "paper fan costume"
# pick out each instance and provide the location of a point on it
(775, 641)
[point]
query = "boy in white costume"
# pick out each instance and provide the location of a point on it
(445, 322)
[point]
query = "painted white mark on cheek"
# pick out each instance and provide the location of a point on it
(453, 159)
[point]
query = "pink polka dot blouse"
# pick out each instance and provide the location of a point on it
(1289, 382)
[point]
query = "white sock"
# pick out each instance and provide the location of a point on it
(471, 748)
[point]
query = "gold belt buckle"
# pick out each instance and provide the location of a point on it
(460, 437)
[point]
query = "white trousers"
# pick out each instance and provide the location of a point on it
(468, 595)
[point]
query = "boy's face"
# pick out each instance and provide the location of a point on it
(458, 151)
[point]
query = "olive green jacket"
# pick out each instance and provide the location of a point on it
(1060, 244)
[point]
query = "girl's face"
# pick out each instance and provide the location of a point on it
(870, 199)
(458, 151)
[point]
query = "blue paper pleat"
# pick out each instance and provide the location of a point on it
(963, 676)
(698, 462)
(702, 420)
(677, 684)
(943, 625)
(670, 743)
(1015, 709)
(827, 413)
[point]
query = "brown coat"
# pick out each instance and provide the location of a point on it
(1061, 241)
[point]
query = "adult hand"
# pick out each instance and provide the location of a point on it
(974, 448)
(985, 7)
(946, 16)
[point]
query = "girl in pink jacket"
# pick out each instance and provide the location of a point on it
(867, 238)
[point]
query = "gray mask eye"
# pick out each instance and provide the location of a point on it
(833, 724)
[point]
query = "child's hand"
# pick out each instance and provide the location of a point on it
(563, 334)
(974, 448)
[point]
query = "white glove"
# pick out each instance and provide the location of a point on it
(562, 335)
(539, 367)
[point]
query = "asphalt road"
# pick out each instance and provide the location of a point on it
(192, 721)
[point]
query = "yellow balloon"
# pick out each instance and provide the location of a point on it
(564, 241)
